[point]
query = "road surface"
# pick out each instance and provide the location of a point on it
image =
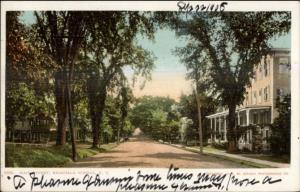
(142, 152)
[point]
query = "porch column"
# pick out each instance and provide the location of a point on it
(247, 117)
(215, 129)
(211, 129)
(239, 121)
(225, 128)
(220, 125)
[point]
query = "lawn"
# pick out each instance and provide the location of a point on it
(273, 158)
(267, 157)
(26, 155)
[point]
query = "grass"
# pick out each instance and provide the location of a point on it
(273, 158)
(25, 155)
(208, 149)
(84, 152)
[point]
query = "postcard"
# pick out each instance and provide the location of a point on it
(150, 96)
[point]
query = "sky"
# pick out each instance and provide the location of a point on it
(168, 79)
(168, 76)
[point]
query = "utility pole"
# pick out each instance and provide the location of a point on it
(199, 120)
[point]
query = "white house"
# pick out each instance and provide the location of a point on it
(271, 80)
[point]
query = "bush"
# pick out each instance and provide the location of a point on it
(223, 145)
(281, 128)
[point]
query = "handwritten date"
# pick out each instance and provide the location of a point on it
(210, 7)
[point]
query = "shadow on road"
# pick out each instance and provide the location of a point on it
(109, 163)
(176, 156)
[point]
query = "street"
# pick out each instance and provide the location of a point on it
(143, 152)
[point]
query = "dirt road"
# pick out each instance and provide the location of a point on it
(141, 152)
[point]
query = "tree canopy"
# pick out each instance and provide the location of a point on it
(157, 117)
(225, 47)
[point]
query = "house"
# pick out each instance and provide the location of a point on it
(29, 130)
(271, 80)
(41, 129)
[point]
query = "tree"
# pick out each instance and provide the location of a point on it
(158, 124)
(27, 74)
(125, 97)
(81, 118)
(281, 128)
(227, 46)
(189, 109)
(157, 117)
(199, 120)
(61, 33)
(111, 46)
(200, 81)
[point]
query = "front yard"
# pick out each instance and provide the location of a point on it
(28, 155)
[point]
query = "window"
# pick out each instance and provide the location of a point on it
(260, 96)
(283, 65)
(254, 97)
(266, 93)
(267, 135)
(260, 73)
(241, 119)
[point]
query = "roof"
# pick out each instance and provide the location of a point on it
(253, 107)
(280, 49)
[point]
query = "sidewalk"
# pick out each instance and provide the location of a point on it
(237, 157)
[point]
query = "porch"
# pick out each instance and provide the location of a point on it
(246, 118)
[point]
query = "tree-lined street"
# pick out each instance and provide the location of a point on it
(144, 152)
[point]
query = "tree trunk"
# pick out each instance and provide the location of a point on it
(100, 105)
(60, 94)
(96, 97)
(121, 129)
(71, 128)
(92, 88)
(118, 131)
(231, 132)
(199, 121)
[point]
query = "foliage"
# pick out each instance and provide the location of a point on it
(281, 128)
(188, 109)
(60, 34)
(110, 46)
(128, 128)
(24, 104)
(23, 60)
(27, 75)
(81, 118)
(156, 117)
(225, 47)
(185, 129)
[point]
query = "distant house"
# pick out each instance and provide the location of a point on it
(271, 80)
(38, 130)
(29, 130)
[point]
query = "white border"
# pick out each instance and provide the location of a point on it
(291, 181)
